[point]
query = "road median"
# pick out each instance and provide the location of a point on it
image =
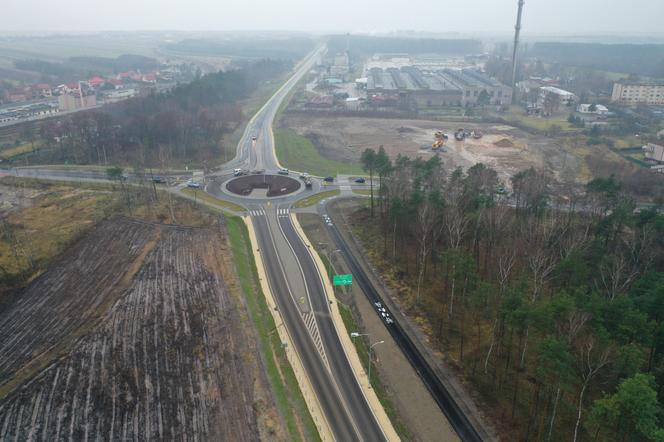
(344, 337)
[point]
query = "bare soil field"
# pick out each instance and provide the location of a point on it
(505, 148)
(132, 334)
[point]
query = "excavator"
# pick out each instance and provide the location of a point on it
(439, 140)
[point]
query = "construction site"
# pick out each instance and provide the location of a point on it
(505, 148)
(133, 334)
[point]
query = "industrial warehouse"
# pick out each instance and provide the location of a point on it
(446, 87)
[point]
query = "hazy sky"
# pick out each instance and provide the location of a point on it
(540, 16)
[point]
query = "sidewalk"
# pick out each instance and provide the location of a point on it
(462, 397)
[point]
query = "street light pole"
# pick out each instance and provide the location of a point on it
(370, 348)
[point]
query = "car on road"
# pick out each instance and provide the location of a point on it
(158, 179)
(304, 176)
(257, 171)
(360, 180)
(193, 184)
(238, 172)
(328, 179)
(283, 171)
(254, 138)
(308, 183)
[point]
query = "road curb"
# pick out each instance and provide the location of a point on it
(346, 343)
(463, 397)
(303, 381)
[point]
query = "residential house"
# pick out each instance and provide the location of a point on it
(586, 109)
(654, 153)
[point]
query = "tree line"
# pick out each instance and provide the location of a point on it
(183, 125)
(639, 59)
(549, 298)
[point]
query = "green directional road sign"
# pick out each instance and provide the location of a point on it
(342, 279)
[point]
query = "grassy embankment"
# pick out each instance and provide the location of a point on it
(362, 348)
(314, 199)
(515, 115)
(8, 154)
(284, 384)
(209, 199)
(298, 153)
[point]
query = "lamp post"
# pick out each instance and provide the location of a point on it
(371, 346)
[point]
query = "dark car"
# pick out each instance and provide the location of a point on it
(328, 179)
(360, 180)
(158, 179)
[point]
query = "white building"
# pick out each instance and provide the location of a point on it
(118, 95)
(638, 93)
(599, 109)
(566, 97)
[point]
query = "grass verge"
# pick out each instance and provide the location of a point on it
(204, 196)
(8, 154)
(362, 348)
(313, 199)
(287, 393)
(366, 192)
(298, 153)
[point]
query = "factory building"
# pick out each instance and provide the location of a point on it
(445, 87)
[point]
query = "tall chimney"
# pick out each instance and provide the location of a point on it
(517, 30)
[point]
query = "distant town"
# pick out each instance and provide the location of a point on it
(43, 100)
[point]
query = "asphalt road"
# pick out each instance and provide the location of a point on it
(291, 271)
(298, 287)
(448, 405)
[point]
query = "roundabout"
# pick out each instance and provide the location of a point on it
(262, 185)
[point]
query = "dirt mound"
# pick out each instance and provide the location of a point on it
(504, 142)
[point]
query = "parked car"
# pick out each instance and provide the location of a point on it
(360, 180)
(328, 179)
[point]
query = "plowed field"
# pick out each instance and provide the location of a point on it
(132, 334)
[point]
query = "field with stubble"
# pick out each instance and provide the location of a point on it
(133, 334)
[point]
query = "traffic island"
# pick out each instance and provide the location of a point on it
(276, 185)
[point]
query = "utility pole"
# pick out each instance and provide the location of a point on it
(517, 30)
